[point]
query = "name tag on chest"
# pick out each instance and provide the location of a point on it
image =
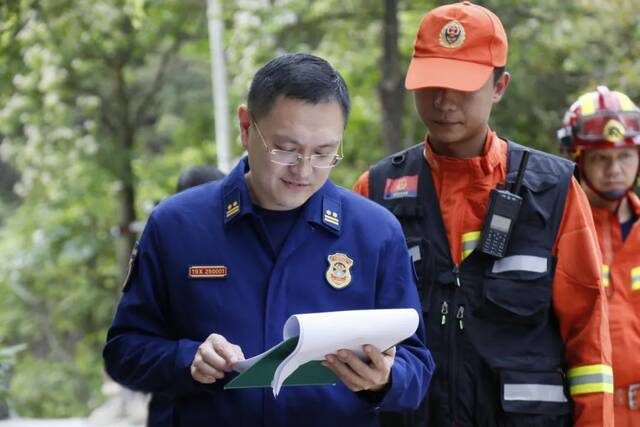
(207, 271)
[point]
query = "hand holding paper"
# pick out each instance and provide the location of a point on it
(308, 338)
(214, 358)
(358, 375)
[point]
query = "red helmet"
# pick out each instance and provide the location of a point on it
(600, 119)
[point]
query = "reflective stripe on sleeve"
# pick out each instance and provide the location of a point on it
(635, 279)
(590, 379)
(534, 392)
(605, 275)
(532, 263)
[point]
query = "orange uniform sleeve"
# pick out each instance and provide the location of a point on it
(580, 305)
(362, 185)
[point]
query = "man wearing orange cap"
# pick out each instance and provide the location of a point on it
(601, 132)
(503, 244)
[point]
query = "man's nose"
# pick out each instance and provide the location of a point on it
(444, 99)
(303, 168)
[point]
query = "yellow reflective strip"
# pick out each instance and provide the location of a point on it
(589, 369)
(472, 235)
(605, 275)
(587, 104)
(591, 388)
(625, 103)
(635, 279)
(470, 241)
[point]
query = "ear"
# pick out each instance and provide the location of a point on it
(501, 87)
(245, 124)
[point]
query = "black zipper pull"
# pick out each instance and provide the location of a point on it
(460, 316)
(444, 310)
(456, 272)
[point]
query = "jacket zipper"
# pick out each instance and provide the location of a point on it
(453, 354)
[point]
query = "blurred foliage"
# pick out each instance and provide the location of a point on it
(77, 75)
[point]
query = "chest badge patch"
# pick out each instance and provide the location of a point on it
(405, 186)
(207, 271)
(338, 274)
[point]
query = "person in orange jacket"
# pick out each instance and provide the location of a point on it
(601, 132)
(503, 244)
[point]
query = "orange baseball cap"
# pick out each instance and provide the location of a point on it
(457, 47)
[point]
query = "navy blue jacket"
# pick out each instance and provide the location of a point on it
(164, 315)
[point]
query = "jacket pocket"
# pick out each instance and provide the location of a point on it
(527, 392)
(517, 289)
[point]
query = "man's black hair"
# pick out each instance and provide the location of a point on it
(300, 76)
(497, 73)
(197, 175)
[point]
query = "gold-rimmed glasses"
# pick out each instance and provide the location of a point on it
(291, 158)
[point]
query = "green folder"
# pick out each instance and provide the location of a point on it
(261, 373)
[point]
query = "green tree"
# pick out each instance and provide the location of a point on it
(83, 112)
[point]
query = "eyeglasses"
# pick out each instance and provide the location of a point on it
(291, 158)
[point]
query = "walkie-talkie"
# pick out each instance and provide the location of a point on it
(502, 213)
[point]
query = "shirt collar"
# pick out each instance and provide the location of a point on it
(236, 200)
(482, 165)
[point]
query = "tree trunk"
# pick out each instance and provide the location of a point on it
(126, 196)
(391, 89)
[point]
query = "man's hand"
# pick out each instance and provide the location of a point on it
(214, 358)
(358, 375)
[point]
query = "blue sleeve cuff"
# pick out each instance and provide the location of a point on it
(185, 383)
(398, 387)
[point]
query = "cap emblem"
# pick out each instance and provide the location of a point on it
(452, 35)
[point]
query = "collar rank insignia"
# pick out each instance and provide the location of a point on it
(338, 274)
(232, 209)
(452, 35)
(405, 186)
(207, 271)
(331, 217)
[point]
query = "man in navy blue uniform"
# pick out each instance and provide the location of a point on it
(221, 267)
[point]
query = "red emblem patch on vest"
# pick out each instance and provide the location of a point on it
(207, 271)
(405, 186)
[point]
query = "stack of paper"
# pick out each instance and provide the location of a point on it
(308, 338)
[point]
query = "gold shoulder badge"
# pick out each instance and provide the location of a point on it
(452, 35)
(232, 209)
(338, 274)
(613, 131)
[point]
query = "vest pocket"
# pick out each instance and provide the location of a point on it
(527, 392)
(515, 296)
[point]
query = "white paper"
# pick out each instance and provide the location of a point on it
(326, 333)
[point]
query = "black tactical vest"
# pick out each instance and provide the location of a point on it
(489, 322)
